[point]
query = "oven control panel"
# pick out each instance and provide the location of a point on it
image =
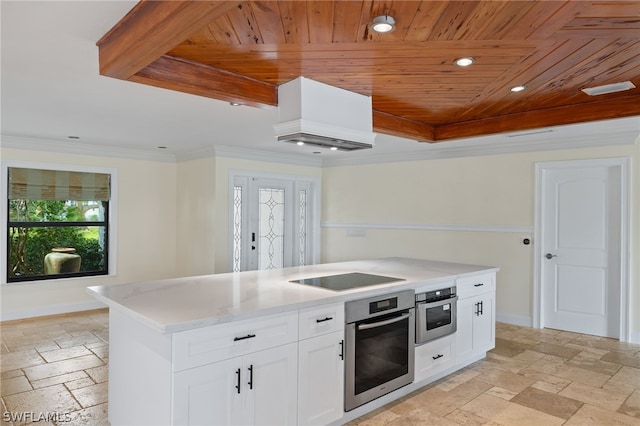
(436, 295)
(383, 305)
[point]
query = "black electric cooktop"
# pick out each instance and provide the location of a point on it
(347, 281)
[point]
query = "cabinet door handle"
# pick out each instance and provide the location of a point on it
(437, 356)
(478, 309)
(248, 336)
(478, 285)
(341, 350)
(238, 380)
(481, 306)
(324, 319)
(250, 376)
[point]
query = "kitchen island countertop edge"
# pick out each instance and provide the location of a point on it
(181, 304)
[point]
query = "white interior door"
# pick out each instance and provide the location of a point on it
(580, 249)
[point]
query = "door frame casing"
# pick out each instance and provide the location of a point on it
(624, 165)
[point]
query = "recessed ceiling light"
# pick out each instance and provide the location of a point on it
(334, 148)
(464, 62)
(609, 88)
(299, 143)
(518, 88)
(383, 24)
(234, 104)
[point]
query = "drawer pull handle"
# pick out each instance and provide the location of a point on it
(437, 356)
(478, 285)
(324, 319)
(248, 336)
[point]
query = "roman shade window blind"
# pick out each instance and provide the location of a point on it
(35, 184)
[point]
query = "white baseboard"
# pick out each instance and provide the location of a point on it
(50, 310)
(512, 319)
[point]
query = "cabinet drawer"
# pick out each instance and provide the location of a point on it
(478, 284)
(320, 320)
(217, 342)
(434, 357)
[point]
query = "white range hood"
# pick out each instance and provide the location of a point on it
(322, 115)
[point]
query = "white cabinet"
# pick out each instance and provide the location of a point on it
(476, 317)
(244, 372)
(255, 389)
(321, 365)
(433, 357)
(207, 395)
(218, 342)
(270, 392)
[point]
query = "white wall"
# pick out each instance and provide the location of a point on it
(491, 193)
(146, 234)
(196, 205)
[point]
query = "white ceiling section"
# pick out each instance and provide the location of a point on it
(51, 90)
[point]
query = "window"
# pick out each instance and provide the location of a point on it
(57, 224)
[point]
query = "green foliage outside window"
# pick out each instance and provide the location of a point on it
(38, 226)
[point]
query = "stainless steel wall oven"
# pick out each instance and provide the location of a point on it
(435, 314)
(379, 346)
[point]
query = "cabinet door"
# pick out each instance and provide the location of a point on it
(270, 392)
(475, 334)
(208, 394)
(483, 326)
(321, 379)
(464, 333)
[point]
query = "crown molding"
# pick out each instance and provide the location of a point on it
(51, 145)
(250, 154)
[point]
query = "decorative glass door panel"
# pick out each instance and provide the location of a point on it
(271, 228)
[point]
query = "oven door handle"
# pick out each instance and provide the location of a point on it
(368, 326)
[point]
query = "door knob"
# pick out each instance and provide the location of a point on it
(550, 256)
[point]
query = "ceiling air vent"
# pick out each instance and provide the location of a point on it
(609, 88)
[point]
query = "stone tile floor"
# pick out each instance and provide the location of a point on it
(55, 368)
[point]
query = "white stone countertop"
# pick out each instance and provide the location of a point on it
(180, 304)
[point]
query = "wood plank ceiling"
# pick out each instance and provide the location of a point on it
(241, 51)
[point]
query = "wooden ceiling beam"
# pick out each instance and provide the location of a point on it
(605, 109)
(151, 29)
(202, 80)
(389, 124)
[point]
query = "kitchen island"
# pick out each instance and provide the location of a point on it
(187, 350)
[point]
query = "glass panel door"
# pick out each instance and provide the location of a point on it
(272, 223)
